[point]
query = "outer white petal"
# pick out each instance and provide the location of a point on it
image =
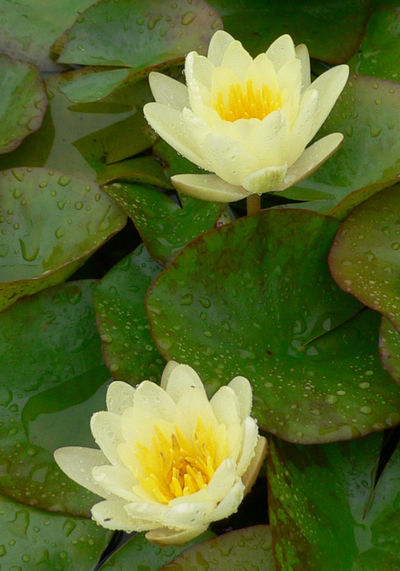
(270, 141)
(208, 187)
(243, 391)
(329, 86)
(189, 514)
(181, 378)
(116, 480)
(111, 515)
(151, 511)
(237, 58)
(166, 536)
(281, 51)
(106, 429)
(169, 124)
(230, 503)
(78, 463)
(153, 398)
(169, 367)
(226, 406)
(168, 91)
(289, 79)
(302, 128)
(311, 159)
(198, 69)
(249, 445)
(250, 476)
(304, 57)
(218, 45)
(119, 397)
(267, 179)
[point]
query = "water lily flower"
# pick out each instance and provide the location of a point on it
(247, 121)
(170, 460)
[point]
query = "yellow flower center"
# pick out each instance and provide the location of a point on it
(175, 466)
(244, 101)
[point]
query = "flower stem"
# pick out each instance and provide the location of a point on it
(253, 203)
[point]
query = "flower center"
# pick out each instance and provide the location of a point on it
(175, 466)
(244, 101)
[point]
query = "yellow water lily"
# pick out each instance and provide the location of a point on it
(247, 121)
(170, 461)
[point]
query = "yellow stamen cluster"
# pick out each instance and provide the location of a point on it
(175, 466)
(247, 102)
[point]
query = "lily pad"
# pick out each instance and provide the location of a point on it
(257, 23)
(145, 170)
(138, 34)
(35, 538)
(165, 226)
(128, 347)
(389, 348)
(52, 379)
(326, 497)
(365, 256)
(50, 223)
(239, 550)
(23, 102)
(93, 86)
(255, 298)
(29, 27)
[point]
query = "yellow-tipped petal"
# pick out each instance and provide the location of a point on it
(168, 91)
(208, 187)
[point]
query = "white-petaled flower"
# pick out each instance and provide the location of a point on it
(170, 461)
(246, 120)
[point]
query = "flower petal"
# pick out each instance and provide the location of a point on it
(120, 396)
(153, 398)
(237, 59)
(281, 51)
(189, 514)
(311, 159)
(304, 57)
(168, 91)
(267, 179)
(169, 367)
(198, 70)
(242, 388)
(116, 480)
(302, 128)
(289, 79)
(180, 379)
(151, 511)
(208, 187)
(250, 476)
(167, 536)
(112, 515)
(169, 124)
(226, 406)
(78, 462)
(248, 446)
(192, 405)
(230, 503)
(106, 430)
(218, 45)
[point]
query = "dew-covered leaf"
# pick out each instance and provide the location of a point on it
(325, 510)
(128, 347)
(49, 223)
(389, 348)
(164, 225)
(138, 34)
(255, 298)
(29, 27)
(23, 102)
(145, 170)
(91, 85)
(244, 549)
(365, 256)
(32, 538)
(52, 379)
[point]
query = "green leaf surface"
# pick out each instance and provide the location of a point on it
(138, 553)
(325, 510)
(145, 170)
(368, 115)
(248, 549)
(255, 298)
(379, 52)
(365, 256)
(165, 226)
(49, 224)
(389, 348)
(138, 34)
(92, 86)
(257, 24)
(23, 102)
(52, 379)
(29, 27)
(36, 539)
(128, 347)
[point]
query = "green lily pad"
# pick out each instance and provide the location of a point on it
(144, 555)
(368, 114)
(33, 538)
(50, 223)
(238, 550)
(165, 226)
(257, 23)
(137, 34)
(255, 298)
(326, 510)
(52, 379)
(389, 348)
(128, 347)
(379, 52)
(365, 256)
(145, 170)
(93, 86)
(23, 102)
(29, 27)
